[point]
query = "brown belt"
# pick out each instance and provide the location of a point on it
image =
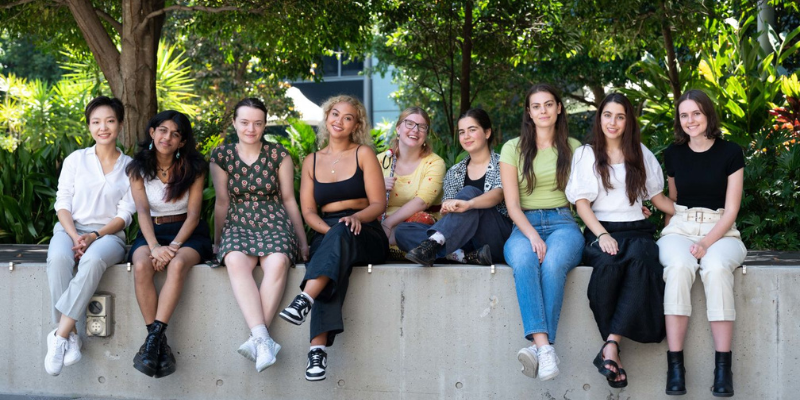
(169, 218)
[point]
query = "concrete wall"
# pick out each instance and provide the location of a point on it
(411, 333)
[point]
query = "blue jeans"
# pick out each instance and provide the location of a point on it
(540, 287)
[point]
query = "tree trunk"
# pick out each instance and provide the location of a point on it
(138, 66)
(131, 73)
(466, 58)
(599, 94)
(672, 63)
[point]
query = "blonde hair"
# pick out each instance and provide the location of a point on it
(360, 134)
(427, 148)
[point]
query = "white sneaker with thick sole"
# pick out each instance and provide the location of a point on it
(73, 354)
(54, 359)
(529, 360)
(548, 363)
(265, 353)
(248, 349)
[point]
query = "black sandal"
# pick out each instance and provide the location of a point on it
(610, 375)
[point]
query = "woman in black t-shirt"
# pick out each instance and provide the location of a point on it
(705, 178)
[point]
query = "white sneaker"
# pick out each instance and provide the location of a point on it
(56, 347)
(529, 360)
(248, 349)
(548, 363)
(266, 351)
(73, 354)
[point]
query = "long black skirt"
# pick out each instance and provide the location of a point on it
(626, 291)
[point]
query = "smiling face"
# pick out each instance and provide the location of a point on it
(341, 120)
(693, 120)
(104, 125)
(472, 136)
(613, 120)
(415, 135)
(543, 109)
(249, 124)
(166, 138)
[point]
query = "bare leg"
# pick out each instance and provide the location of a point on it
(65, 326)
(177, 269)
(240, 271)
(676, 331)
(143, 273)
(315, 286)
(610, 352)
(722, 331)
(276, 268)
(320, 340)
(541, 339)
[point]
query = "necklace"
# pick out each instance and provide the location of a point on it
(333, 165)
(164, 170)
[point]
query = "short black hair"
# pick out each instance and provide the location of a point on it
(100, 101)
(251, 102)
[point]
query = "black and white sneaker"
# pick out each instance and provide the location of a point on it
(297, 311)
(317, 362)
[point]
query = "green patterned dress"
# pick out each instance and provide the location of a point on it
(257, 224)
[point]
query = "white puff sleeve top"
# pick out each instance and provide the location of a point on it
(611, 205)
(91, 196)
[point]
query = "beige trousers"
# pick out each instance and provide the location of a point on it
(687, 227)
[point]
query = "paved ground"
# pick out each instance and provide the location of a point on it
(32, 253)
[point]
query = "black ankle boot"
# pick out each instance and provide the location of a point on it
(676, 373)
(146, 360)
(166, 360)
(723, 377)
(482, 256)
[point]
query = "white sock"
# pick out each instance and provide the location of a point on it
(310, 300)
(457, 256)
(437, 237)
(259, 332)
(318, 347)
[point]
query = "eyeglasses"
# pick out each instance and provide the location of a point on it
(409, 124)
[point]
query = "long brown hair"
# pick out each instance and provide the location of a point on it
(527, 141)
(635, 173)
(706, 107)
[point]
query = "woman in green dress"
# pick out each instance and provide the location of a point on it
(256, 222)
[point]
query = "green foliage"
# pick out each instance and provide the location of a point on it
(771, 205)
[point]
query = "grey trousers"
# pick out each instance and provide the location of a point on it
(71, 294)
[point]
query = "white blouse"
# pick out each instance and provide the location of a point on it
(611, 205)
(156, 192)
(91, 196)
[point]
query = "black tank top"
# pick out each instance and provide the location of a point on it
(348, 189)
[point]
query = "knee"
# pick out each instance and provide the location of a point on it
(143, 270)
(58, 262)
(678, 272)
(468, 193)
(716, 274)
(92, 263)
(177, 267)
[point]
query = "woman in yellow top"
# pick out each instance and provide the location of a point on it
(413, 175)
(545, 243)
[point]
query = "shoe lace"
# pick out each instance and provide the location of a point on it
(547, 356)
(316, 358)
(299, 303)
(151, 342)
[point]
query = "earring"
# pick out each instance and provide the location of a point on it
(151, 146)
(177, 154)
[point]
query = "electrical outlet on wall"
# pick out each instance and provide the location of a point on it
(98, 315)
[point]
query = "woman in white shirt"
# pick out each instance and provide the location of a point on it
(167, 176)
(94, 205)
(610, 178)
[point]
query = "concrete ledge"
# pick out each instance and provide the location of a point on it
(411, 333)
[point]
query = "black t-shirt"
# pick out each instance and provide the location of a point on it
(702, 178)
(478, 183)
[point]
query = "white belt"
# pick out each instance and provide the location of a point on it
(701, 215)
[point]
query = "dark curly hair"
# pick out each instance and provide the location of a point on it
(186, 169)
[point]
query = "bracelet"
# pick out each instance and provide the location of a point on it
(154, 247)
(176, 243)
(597, 239)
(96, 234)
